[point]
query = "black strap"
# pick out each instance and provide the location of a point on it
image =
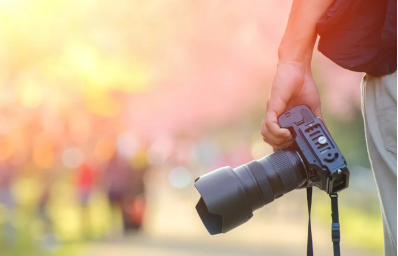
(310, 251)
(335, 224)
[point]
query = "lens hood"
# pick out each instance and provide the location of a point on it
(224, 204)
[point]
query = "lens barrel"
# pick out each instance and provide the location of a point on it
(229, 196)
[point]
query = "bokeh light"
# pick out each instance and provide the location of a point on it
(180, 177)
(127, 145)
(72, 157)
(160, 150)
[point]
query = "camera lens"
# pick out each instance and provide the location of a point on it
(229, 196)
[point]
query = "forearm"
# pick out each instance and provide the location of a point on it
(293, 83)
(300, 34)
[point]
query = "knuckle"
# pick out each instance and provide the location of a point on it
(277, 146)
(264, 132)
(263, 124)
(269, 125)
(282, 143)
(266, 119)
(267, 139)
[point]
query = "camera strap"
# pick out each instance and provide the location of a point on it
(335, 224)
(310, 251)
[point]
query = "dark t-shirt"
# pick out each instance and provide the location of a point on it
(361, 35)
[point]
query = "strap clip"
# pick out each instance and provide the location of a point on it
(335, 232)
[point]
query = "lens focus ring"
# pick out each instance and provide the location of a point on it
(277, 174)
(263, 181)
(284, 164)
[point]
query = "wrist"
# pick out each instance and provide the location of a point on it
(303, 67)
(296, 50)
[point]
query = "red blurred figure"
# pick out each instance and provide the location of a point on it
(86, 176)
(85, 179)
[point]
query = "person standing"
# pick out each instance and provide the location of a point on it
(359, 36)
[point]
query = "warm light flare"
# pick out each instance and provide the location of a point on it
(31, 95)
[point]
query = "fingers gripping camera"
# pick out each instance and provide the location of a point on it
(229, 196)
(325, 164)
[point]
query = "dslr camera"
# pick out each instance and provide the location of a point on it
(230, 196)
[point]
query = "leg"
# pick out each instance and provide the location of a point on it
(379, 107)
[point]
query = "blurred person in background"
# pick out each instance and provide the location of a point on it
(359, 36)
(7, 200)
(117, 179)
(86, 176)
(136, 201)
(49, 241)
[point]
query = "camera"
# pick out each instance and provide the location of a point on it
(230, 196)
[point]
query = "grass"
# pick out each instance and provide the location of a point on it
(24, 234)
(22, 239)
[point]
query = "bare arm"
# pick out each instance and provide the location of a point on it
(293, 82)
(300, 34)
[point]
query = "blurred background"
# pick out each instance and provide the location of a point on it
(110, 109)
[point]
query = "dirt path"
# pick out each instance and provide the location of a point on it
(145, 246)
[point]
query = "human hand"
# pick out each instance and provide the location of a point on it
(293, 85)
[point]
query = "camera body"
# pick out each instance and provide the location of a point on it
(325, 165)
(229, 196)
